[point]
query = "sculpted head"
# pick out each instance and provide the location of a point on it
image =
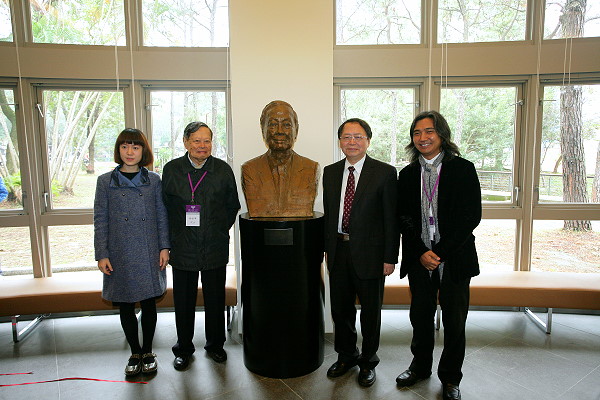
(279, 125)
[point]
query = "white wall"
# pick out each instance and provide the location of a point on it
(282, 50)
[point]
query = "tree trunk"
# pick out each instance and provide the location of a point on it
(596, 184)
(12, 160)
(571, 125)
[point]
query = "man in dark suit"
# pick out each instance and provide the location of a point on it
(361, 244)
(439, 208)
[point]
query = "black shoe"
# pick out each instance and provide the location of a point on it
(218, 355)
(181, 362)
(409, 378)
(366, 377)
(450, 392)
(134, 365)
(339, 368)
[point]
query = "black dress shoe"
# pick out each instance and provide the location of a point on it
(450, 392)
(409, 378)
(339, 368)
(181, 362)
(366, 377)
(218, 355)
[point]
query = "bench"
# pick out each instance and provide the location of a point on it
(517, 289)
(78, 292)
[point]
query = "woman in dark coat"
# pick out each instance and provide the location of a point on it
(131, 241)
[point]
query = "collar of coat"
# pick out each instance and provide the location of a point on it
(117, 179)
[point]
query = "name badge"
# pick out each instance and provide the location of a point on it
(192, 215)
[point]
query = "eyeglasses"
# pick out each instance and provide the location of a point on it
(357, 138)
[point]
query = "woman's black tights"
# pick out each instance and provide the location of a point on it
(130, 325)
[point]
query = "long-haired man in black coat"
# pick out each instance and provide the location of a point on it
(439, 207)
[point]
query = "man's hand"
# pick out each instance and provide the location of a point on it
(430, 260)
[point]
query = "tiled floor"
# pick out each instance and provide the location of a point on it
(508, 357)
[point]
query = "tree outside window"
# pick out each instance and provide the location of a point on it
(81, 128)
(482, 120)
(88, 22)
(364, 22)
(571, 19)
(389, 112)
(173, 110)
(467, 21)
(6, 34)
(185, 23)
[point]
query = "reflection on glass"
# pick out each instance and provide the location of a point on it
(567, 19)
(495, 242)
(470, 21)
(5, 22)
(389, 112)
(10, 172)
(570, 142)
(72, 248)
(172, 111)
(81, 128)
(482, 120)
(556, 249)
(177, 23)
(360, 22)
(91, 22)
(15, 252)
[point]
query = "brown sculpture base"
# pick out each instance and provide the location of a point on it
(282, 297)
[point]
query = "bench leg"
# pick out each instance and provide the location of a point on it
(19, 335)
(438, 317)
(229, 317)
(546, 326)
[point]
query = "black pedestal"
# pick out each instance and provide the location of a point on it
(282, 300)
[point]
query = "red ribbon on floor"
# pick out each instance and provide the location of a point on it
(66, 379)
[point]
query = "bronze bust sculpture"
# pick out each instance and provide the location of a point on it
(280, 183)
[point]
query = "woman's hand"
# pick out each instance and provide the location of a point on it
(164, 258)
(105, 266)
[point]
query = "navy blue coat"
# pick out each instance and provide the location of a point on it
(130, 229)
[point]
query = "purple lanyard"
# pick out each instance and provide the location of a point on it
(193, 188)
(437, 181)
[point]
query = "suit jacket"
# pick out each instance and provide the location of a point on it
(374, 236)
(296, 196)
(459, 213)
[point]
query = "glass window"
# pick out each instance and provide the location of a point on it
(173, 110)
(72, 248)
(571, 19)
(15, 252)
(389, 113)
(80, 127)
(10, 170)
(92, 22)
(569, 169)
(184, 23)
(495, 242)
(6, 34)
(468, 21)
(378, 22)
(482, 121)
(555, 248)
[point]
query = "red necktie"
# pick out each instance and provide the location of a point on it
(348, 197)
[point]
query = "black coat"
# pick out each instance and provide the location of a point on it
(459, 213)
(198, 248)
(374, 237)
